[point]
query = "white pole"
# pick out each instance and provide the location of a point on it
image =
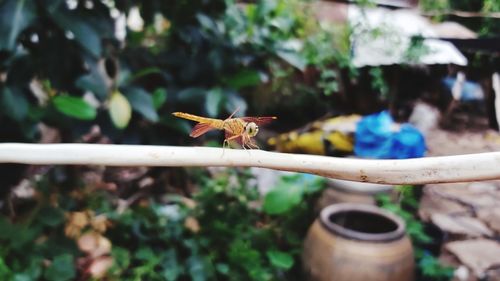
(460, 168)
(495, 81)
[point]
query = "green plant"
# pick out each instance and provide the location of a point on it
(228, 232)
(255, 244)
(435, 6)
(35, 246)
(63, 64)
(486, 26)
(378, 82)
(416, 50)
(429, 267)
(490, 26)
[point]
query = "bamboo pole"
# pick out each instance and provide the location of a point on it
(459, 168)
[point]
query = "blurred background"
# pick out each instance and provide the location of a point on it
(380, 79)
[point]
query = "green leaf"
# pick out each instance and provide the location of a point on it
(84, 34)
(51, 216)
(61, 269)
(206, 22)
(144, 72)
(171, 267)
(282, 198)
(213, 102)
(74, 107)
(121, 259)
(33, 270)
(120, 110)
(244, 78)
(191, 94)
(280, 259)
(145, 253)
(15, 16)
(14, 103)
(21, 237)
(22, 277)
(293, 58)
(5, 272)
(93, 82)
(222, 268)
(196, 268)
(7, 230)
(159, 97)
(142, 102)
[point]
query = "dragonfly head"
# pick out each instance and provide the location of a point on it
(251, 129)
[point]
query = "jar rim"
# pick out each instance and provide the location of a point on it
(336, 209)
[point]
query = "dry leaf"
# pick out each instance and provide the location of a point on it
(100, 266)
(94, 244)
(76, 221)
(99, 223)
(192, 224)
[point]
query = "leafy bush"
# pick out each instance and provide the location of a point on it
(65, 64)
(224, 234)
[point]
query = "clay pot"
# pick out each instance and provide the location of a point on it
(342, 191)
(357, 242)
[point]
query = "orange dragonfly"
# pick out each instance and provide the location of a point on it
(239, 129)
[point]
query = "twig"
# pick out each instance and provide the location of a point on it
(460, 168)
(463, 14)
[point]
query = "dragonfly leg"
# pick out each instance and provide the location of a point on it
(224, 146)
(245, 146)
(252, 144)
(226, 142)
(231, 138)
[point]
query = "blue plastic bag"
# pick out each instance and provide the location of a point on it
(376, 137)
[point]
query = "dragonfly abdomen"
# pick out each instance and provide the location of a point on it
(215, 123)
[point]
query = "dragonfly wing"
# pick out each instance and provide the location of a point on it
(259, 120)
(200, 129)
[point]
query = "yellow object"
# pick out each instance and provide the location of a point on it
(330, 137)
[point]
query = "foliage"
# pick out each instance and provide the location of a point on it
(253, 244)
(416, 49)
(429, 267)
(490, 26)
(36, 247)
(71, 64)
(378, 82)
(485, 26)
(435, 6)
(222, 235)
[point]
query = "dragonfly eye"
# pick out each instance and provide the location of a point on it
(252, 129)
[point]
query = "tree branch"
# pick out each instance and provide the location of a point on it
(463, 14)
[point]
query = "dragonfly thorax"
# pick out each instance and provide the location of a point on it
(251, 129)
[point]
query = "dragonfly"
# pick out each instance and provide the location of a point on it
(239, 129)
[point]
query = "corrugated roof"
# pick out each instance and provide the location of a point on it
(382, 37)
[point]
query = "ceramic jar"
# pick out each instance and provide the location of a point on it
(342, 191)
(357, 242)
